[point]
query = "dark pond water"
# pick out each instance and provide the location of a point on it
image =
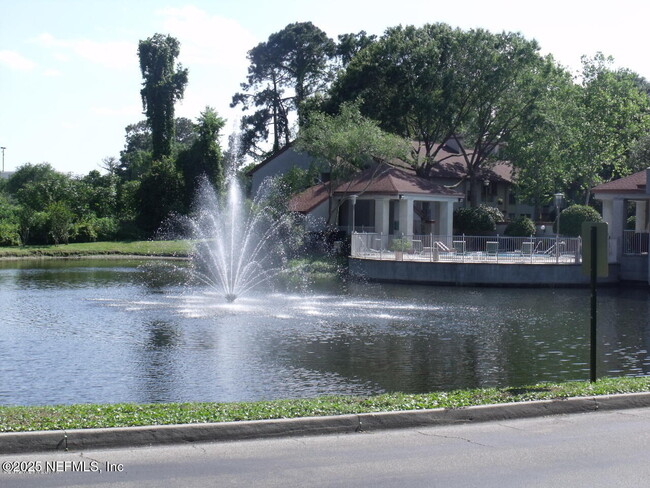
(101, 331)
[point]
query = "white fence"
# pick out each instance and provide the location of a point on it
(635, 243)
(470, 249)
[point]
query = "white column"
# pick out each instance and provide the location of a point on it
(406, 216)
(382, 211)
(614, 215)
(608, 212)
(641, 216)
(446, 218)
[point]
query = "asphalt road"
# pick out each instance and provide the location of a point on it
(594, 449)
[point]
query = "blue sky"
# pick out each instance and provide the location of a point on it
(70, 80)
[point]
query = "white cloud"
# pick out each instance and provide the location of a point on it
(16, 61)
(112, 54)
(208, 39)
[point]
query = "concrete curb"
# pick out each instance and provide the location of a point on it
(86, 439)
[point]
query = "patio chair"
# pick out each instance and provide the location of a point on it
(491, 248)
(459, 247)
(527, 248)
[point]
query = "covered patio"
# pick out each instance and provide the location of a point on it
(393, 202)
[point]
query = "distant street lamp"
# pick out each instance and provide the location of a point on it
(558, 202)
(486, 184)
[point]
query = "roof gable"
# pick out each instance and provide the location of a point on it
(388, 180)
(634, 183)
(383, 180)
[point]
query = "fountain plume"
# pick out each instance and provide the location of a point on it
(238, 244)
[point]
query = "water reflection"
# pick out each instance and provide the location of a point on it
(106, 333)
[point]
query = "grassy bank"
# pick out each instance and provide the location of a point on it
(16, 419)
(179, 248)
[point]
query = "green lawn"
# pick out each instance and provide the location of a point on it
(179, 248)
(17, 419)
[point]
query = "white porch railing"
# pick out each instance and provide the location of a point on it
(635, 243)
(470, 249)
(361, 229)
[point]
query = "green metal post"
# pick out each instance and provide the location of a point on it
(594, 272)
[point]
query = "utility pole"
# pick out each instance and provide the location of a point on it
(3, 159)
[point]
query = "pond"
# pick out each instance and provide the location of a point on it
(97, 331)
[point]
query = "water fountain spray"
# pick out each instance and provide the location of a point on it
(238, 244)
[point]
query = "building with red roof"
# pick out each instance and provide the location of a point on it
(628, 247)
(392, 198)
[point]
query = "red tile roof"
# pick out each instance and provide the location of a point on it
(634, 183)
(309, 199)
(383, 180)
(450, 164)
(386, 180)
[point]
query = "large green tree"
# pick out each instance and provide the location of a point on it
(347, 143)
(350, 45)
(159, 195)
(203, 159)
(512, 80)
(284, 71)
(406, 81)
(164, 84)
(135, 158)
(639, 157)
(36, 186)
(581, 133)
(542, 150)
(615, 114)
(435, 83)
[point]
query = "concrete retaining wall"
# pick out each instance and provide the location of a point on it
(634, 268)
(479, 274)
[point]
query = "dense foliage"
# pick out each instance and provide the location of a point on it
(520, 227)
(164, 83)
(572, 218)
(477, 220)
(351, 102)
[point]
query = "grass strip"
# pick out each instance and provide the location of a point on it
(176, 248)
(87, 416)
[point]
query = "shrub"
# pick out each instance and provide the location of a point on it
(84, 231)
(107, 228)
(60, 220)
(521, 227)
(630, 224)
(401, 244)
(34, 227)
(9, 235)
(477, 220)
(571, 219)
